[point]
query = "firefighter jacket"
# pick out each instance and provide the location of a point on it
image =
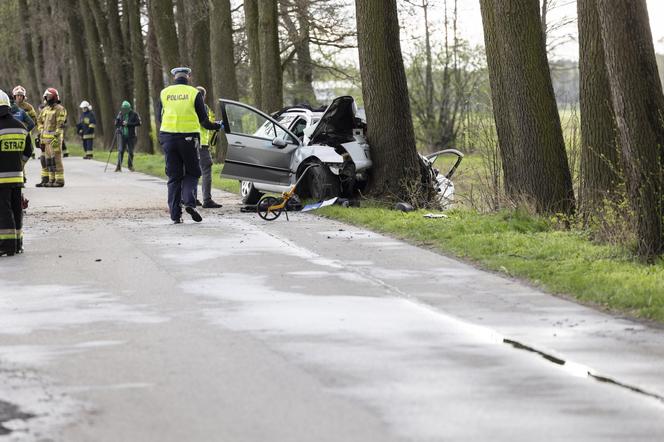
(15, 149)
(51, 123)
(27, 107)
(86, 125)
(22, 116)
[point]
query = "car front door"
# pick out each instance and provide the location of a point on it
(259, 148)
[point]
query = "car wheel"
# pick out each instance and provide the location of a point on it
(249, 193)
(322, 183)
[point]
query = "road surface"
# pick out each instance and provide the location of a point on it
(118, 325)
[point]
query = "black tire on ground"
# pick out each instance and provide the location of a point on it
(249, 193)
(322, 184)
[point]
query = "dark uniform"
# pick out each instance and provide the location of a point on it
(86, 129)
(15, 150)
(182, 115)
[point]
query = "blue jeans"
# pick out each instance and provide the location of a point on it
(183, 172)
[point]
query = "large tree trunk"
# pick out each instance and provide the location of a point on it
(78, 50)
(396, 172)
(105, 111)
(524, 106)
(251, 25)
(222, 50)
(305, 71)
(141, 89)
(183, 26)
(26, 42)
(120, 47)
(156, 72)
(200, 60)
(272, 96)
(161, 14)
(600, 157)
(638, 104)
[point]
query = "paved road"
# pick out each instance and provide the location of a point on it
(116, 325)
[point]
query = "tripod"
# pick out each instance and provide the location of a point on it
(114, 144)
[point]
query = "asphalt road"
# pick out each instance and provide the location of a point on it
(116, 325)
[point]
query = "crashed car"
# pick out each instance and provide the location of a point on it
(269, 153)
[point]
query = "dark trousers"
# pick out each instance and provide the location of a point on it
(126, 144)
(205, 161)
(183, 172)
(87, 145)
(11, 220)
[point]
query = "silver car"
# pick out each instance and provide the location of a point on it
(269, 154)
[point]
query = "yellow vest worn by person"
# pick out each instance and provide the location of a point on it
(207, 134)
(178, 110)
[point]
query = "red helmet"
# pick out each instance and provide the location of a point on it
(53, 93)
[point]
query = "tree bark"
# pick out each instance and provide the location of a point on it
(184, 36)
(120, 46)
(101, 81)
(200, 60)
(156, 72)
(396, 172)
(222, 50)
(272, 98)
(26, 42)
(600, 156)
(529, 132)
(141, 88)
(78, 50)
(161, 14)
(251, 25)
(638, 103)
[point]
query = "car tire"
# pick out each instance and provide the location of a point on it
(249, 193)
(322, 183)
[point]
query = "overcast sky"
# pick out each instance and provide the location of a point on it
(470, 21)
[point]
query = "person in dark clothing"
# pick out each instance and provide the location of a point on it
(182, 113)
(86, 129)
(15, 150)
(126, 123)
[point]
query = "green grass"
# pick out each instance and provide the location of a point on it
(509, 242)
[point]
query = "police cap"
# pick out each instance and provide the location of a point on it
(181, 70)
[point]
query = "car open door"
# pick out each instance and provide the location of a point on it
(259, 148)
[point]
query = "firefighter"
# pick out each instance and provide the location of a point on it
(205, 160)
(15, 150)
(50, 125)
(86, 128)
(21, 115)
(19, 94)
(182, 113)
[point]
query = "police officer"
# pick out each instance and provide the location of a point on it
(182, 116)
(15, 150)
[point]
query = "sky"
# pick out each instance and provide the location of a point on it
(470, 24)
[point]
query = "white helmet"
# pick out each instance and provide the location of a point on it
(4, 99)
(84, 104)
(19, 90)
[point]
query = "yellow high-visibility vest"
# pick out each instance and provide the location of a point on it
(206, 134)
(178, 111)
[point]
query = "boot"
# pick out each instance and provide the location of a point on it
(43, 183)
(58, 184)
(118, 169)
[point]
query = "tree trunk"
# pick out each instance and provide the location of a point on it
(78, 49)
(141, 88)
(184, 36)
(305, 71)
(222, 50)
(156, 72)
(638, 104)
(251, 25)
(101, 81)
(120, 47)
(524, 107)
(271, 75)
(396, 172)
(26, 42)
(161, 14)
(600, 156)
(200, 60)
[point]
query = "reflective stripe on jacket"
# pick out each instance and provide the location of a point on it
(15, 150)
(206, 134)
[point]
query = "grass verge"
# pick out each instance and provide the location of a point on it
(511, 242)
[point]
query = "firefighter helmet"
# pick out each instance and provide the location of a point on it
(4, 99)
(84, 104)
(52, 93)
(19, 90)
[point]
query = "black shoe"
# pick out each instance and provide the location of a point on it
(5, 253)
(177, 221)
(194, 214)
(198, 203)
(118, 169)
(42, 184)
(211, 205)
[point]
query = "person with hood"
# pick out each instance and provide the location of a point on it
(86, 128)
(126, 123)
(15, 151)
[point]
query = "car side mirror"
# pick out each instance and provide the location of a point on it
(279, 143)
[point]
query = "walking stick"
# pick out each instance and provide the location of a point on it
(113, 144)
